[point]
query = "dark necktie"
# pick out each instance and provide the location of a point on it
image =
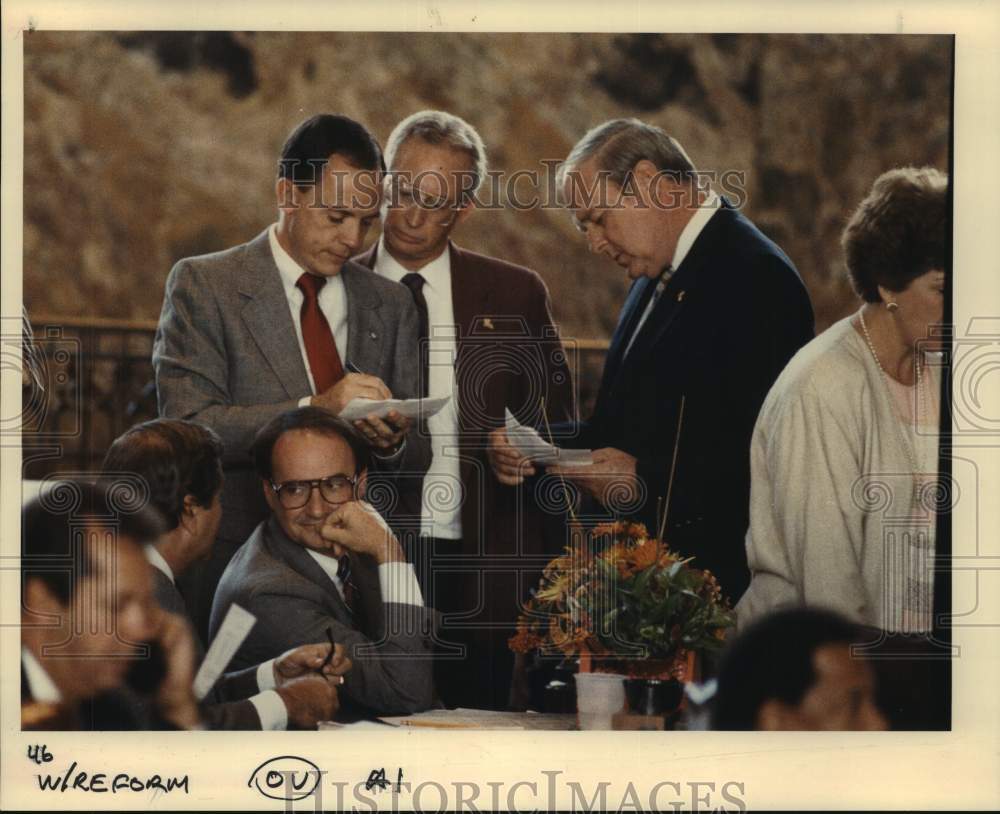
(321, 348)
(346, 584)
(415, 282)
(651, 296)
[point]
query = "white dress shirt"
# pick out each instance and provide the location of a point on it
(443, 491)
(270, 708)
(689, 234)
(397, 580)
(332, 300)
(40, 683)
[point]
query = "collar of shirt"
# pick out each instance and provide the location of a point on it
(689, 234)
(290, 270)
(156, 560)
(42, 687)
(329, 564)
(437, 273)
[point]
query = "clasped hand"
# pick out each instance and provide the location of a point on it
(355, 527)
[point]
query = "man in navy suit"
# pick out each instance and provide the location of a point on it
(715, 312)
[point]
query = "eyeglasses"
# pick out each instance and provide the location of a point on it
(294, 494)
(403, 195)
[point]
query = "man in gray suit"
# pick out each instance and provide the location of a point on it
(325, 563)
(253, 331)
(179, 464)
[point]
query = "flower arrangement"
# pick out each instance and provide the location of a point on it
(617, 594)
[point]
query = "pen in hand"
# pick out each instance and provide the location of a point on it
(333, 647)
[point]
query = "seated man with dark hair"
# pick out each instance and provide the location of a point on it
(92, 636)
(794, 670)
(180, 464)
(326, 562)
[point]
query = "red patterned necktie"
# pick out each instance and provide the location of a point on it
(321, 348)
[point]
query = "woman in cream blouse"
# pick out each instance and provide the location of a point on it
(844, 452)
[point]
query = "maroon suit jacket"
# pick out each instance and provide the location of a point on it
(509, 356)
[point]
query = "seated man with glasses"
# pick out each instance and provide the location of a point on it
(325, 564)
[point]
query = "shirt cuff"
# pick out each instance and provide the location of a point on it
(391, 456)
(305, 401)
(265, 676)
(271, 710)
(399, 583)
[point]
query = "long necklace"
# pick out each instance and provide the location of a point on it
(908, 446)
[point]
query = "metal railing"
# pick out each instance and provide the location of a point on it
(96, 381)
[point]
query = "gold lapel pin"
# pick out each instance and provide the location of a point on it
(488, 324)
(372, 335)
(680, 296)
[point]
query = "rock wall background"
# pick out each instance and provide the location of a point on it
(141, 148)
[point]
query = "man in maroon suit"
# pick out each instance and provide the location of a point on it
(488, 340)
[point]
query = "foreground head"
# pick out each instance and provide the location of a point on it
(630, 187)
(180, 463)
(896, 246)
(793, 670)
(328, 191)
(310, 462)
(437, 162)
(87, 598)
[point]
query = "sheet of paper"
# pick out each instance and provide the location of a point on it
(452, 719)
(332, 726)
(411, 408)
(234, 630)
(530, 443)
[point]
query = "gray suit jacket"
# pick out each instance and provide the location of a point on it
(221, 709)
(226, 355)
(295, 601)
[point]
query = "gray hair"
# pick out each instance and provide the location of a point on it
(439, 127)
(618, 145)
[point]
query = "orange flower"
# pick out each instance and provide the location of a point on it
(645, 555)
(524, 641)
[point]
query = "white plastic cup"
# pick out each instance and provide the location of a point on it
(598, 697)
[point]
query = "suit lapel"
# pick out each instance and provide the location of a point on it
(468, 299)
(623, 330)
(675, 297)
(300, 561)
(365, 342)
(470, 302)
(267, 317)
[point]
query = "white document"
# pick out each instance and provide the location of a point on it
(529, 443)
(234, 630)
(411, 408)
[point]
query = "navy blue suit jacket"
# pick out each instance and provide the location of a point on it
(728, 321)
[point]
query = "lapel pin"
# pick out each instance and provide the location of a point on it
(372, 335)
(680, 296)
(488, 324)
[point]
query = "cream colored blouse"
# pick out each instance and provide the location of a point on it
(838, 516)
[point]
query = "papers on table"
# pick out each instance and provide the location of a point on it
(411, 408)
(529, 443)
(456, 719)
(234, 630)
(333, 726)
